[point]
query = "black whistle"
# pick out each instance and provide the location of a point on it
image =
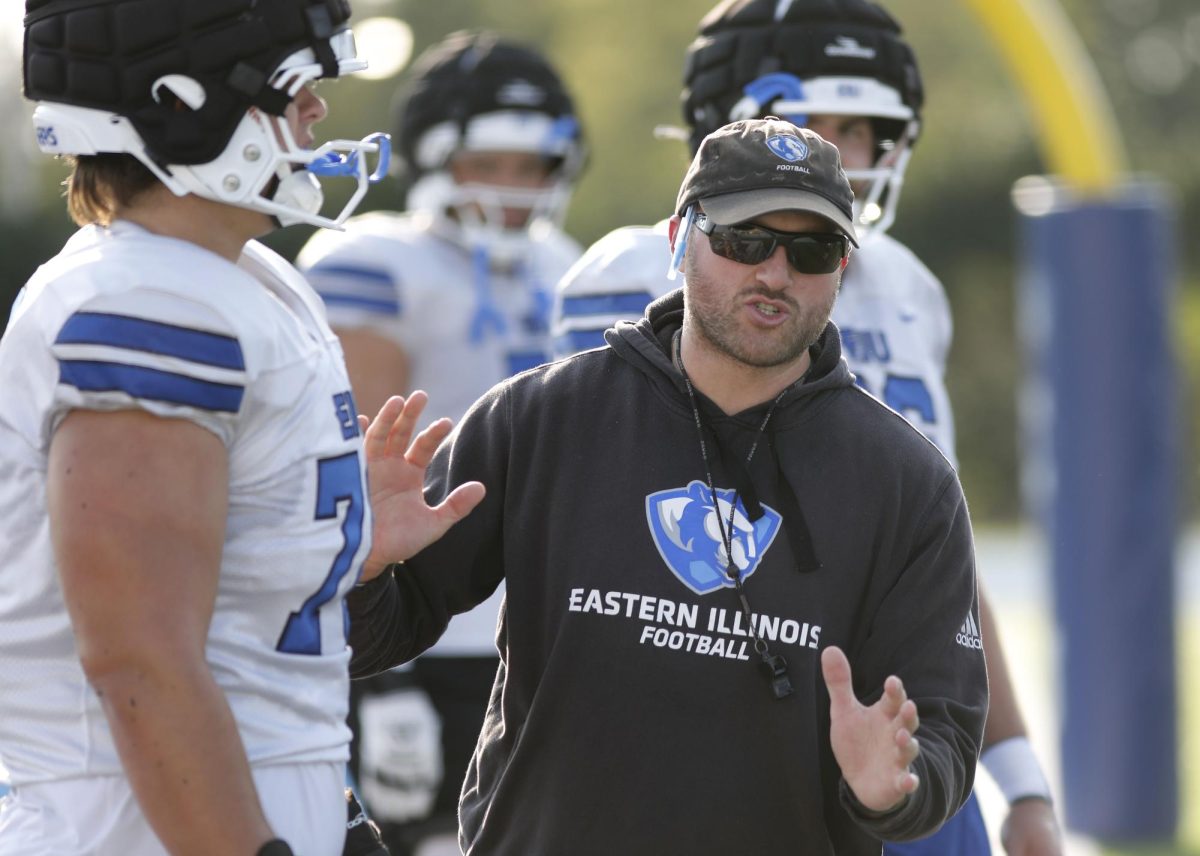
(777, 676)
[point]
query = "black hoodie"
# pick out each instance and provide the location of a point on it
(631, 714)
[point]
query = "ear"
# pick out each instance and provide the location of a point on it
(673, 230)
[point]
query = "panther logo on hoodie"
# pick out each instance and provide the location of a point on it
(685, 528)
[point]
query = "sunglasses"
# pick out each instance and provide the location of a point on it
(751, 244)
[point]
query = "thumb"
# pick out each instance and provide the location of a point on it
(461, 502)
(836, 670)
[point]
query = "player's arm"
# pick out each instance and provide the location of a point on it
(137, 510)
(1030, 828)
(377, 365)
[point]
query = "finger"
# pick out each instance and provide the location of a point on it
(835, 668)
(908, 745)
(894, 696)
(908, 716)
(363, 424)
(420, 453)
(907, 782)
(461, 501)
(376, 437)
(402, 427)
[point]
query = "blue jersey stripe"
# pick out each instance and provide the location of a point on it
(629, 304)
(579, 340)
(354, 301)
(141, 382)
(155, 337)
(373, 277)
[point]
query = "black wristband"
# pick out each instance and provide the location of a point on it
(275, 847)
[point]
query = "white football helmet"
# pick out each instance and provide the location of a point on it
(754, 58)
(477, 93)
(214, 129)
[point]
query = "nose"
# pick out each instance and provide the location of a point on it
(310, 106)
(775, 272)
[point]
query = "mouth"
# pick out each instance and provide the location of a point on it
(767, 311)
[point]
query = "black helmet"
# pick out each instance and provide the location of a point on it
(173, 83)
(109, 54)
(478, 92)
(753, 58)
(468, 75)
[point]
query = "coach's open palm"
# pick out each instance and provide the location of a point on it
(874, 746)
(404, 523)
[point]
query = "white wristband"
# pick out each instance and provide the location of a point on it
(1015, 769)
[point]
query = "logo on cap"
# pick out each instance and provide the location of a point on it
(788, 147)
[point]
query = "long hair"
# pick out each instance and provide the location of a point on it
(100, 185)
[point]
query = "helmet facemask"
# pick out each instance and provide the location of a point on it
(481, 210)
(895, 128)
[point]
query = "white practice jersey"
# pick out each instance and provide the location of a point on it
(125, 320)
(462, 325)
(892, 313)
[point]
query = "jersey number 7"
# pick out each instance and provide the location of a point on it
(338, 481)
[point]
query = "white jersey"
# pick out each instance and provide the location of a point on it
(462, 325)
(892, 313)
(125, 320)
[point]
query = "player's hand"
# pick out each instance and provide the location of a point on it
(873, 746)
(404, 524)
(1031, 829)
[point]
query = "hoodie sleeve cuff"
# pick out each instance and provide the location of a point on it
(890, 825)
(372, 606)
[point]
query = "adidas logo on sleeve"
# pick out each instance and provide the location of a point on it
(968, 635)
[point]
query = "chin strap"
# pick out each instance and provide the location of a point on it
(255, 85)
(320, 25)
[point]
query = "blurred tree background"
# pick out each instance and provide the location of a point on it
(623, 60)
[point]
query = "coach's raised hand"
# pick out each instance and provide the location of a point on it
(404, 523)
(874, 746)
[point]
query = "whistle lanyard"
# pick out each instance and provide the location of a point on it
(774, 664)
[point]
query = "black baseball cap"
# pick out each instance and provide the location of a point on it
(758, 166)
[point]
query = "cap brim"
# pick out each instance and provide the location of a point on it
(730, 208)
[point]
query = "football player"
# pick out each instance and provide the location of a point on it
(451, 297)
(184, 472)
(842, 69)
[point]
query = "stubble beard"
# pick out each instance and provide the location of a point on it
(718, 322)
